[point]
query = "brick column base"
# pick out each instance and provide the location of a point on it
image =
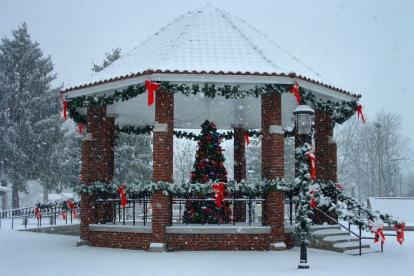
(87, 214)
(161, 216)
(275, 206)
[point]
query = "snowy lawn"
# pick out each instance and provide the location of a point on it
(26, 253)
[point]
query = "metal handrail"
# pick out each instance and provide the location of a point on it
(359, 236)
(52, 214)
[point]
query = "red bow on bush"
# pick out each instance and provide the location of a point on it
(219, 190)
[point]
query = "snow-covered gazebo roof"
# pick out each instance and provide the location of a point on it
(206, 46)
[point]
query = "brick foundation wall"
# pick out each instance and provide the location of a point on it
(273, 156)
(219, 242)
(134, 241)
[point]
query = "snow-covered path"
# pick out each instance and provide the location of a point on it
(27, 253)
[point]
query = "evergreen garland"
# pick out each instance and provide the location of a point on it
(341, 111)
(301, 192)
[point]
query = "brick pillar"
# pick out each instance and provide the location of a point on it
(97, 161)
(325, 154)
(163, 163)
(239, 170)
(273, 163)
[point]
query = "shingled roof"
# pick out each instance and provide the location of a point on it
(206, 41)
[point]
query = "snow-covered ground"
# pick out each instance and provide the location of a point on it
(27, 253)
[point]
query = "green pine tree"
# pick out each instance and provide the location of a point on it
(208, 168)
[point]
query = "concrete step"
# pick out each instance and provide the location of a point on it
(355, 252)
(325, 227)
(329, 232)
(346, 246)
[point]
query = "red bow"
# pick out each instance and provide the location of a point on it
(72, 206)
(340, 187)
(219, 190)
(295, 90)
(376, 227)
(122, 192)
(313, 201)
(359, 110)
(400, 232)
(37, 212)
(80, 128)
(312, 163)
(151, 86)
(246, 135)
(65, 109)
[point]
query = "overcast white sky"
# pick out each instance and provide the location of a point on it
(365, 47)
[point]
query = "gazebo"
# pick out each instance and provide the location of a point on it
(210, 65)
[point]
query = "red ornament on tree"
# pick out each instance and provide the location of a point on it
(151, 86)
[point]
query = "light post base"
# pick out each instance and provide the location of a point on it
(303, 254)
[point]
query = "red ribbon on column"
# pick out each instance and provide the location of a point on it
(359, 110)
(400, 232)
(122, 192)
(376, 227)
(64, 215)
(80, 128)
(219, 190)
(312, 163)
(65, 109)
(151, 86)
(295, 90)
(246, 136)
(72, 206)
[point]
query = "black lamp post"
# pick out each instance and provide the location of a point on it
(303, 115)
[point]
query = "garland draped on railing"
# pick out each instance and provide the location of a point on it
(140, 189)
(308, 193)
(341, 111)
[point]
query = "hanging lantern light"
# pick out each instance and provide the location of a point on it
(303, 115)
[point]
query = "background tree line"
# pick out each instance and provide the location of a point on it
(35, 142)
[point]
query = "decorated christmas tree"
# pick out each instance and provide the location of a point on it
(208, 169)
